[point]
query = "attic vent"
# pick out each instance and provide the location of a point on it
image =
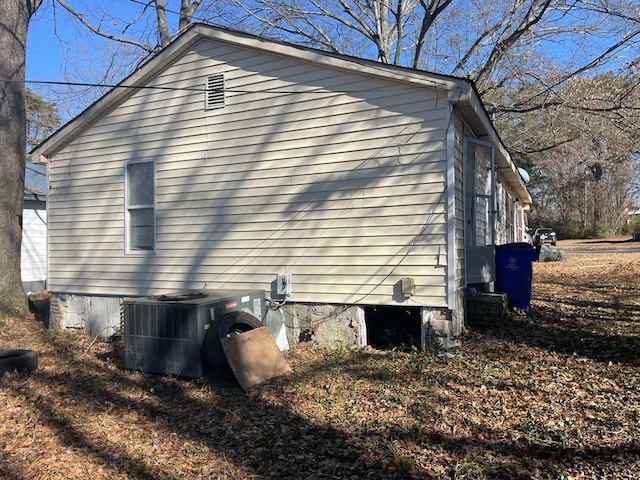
(214, 95)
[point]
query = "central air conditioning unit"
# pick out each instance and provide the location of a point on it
(166, 333)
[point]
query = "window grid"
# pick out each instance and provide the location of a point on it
(140, 207)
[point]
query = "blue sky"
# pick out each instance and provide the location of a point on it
(60, 49)
(56, 39)
(44, 50)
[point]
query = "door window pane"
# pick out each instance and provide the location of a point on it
(482, 227)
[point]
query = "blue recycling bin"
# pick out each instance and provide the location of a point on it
(514, 272)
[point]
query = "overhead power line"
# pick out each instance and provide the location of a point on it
(105, 85)
(202, 89)
(165, 88)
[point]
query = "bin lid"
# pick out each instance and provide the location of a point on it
(515, 245)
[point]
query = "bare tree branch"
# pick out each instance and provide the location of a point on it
(432, 11)
(584, 68)
(507, 41)
(109, 36)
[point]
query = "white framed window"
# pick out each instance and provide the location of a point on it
(140, 200)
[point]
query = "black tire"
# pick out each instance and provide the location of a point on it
(21, 361)
(233, 322)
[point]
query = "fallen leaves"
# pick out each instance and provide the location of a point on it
(550, 394)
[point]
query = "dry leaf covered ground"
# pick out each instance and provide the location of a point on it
(551, 394)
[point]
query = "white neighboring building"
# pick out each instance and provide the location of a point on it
(34, 229)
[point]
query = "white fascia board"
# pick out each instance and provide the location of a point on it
(331, 60)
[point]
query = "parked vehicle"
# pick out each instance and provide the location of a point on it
(544, 235)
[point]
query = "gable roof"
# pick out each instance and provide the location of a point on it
(460, 92)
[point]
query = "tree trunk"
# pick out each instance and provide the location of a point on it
(163, 28)
(14, 20)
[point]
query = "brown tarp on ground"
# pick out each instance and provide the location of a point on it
(254, 357)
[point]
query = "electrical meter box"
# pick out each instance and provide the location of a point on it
(165, 333)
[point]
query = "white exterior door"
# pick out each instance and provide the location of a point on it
(479, 196)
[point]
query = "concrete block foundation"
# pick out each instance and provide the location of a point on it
(327, 325)
(95, 316)
(484, 309)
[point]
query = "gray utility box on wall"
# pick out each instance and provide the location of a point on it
(165, 333)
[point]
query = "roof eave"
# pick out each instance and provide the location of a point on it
(468, 102)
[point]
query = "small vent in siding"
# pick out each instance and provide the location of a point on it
(214, 95)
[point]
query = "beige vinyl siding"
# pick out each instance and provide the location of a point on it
(334, 177)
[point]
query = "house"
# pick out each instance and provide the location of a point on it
(229, 161)
(34, 229)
